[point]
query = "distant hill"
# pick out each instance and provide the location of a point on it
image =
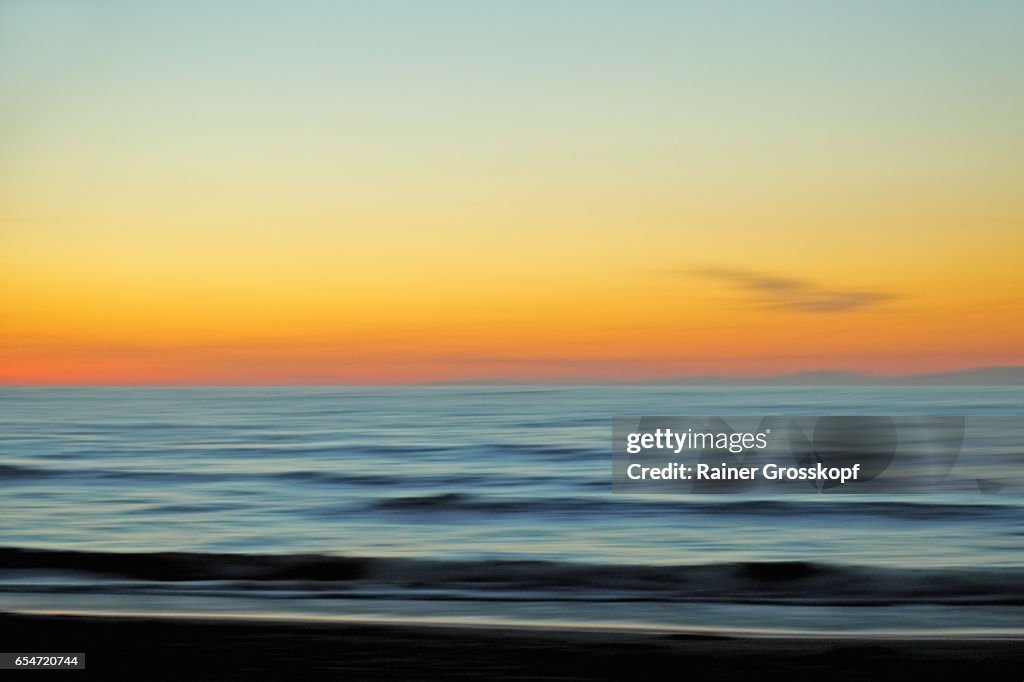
(983, 376)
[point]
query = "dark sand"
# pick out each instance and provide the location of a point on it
(199, 649)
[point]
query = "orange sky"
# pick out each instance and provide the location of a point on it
(310, 210)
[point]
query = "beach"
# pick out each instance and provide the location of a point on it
(246, 649)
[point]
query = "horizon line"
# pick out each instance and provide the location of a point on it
(993, 375)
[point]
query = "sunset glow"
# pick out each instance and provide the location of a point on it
(390, 193)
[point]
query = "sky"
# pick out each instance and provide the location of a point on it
(404, 192)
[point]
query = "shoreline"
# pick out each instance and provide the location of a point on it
(217, 648)
(285, 619)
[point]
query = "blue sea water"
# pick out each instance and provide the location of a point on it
(479, 504)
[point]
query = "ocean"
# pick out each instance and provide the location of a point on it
(480, 505)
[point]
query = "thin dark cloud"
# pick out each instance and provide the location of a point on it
(800, 295)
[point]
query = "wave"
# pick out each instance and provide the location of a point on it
(167, 475)
(184, 566)
(14, 471)
(468, 502)
(557, 452)
(594, 496)
(465, 502)
(785, 582)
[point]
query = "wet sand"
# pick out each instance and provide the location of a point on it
(222, 649)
